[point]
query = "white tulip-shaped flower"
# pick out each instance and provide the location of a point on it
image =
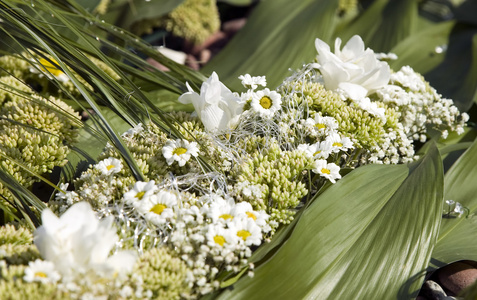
(217, 107)
(353, 70)
(78, 242)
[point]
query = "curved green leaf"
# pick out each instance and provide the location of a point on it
(383, 24)
(367, 237)
(278, 35)
(458, 235)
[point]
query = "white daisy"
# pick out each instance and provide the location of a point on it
(252, 82)
(141, 190)
(318, 150)
(180, 151)
(266, 103)
(109, 166)
(339, 143)
(41, 271)
(219, 236)
(324, 125)
(328, 170)
(245, 210)
(133, 131)
(220, 210)
(159, 208)
(247, 230)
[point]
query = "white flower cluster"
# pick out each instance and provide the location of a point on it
(420, 105)
(328, 142)
(210, 233)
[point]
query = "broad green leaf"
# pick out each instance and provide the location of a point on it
(383, 24)
(279, 35)
(369, 236)
(456, 76)
(458, 236)
(419, 50)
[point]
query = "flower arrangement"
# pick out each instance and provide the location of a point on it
(214, 201)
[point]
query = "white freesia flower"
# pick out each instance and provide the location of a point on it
(252, 82)
(78, 242)
(328, 170)
(180, 151)
(354, 65)
(266, 103)
(109, 166)
(217, 107)
(41, 271)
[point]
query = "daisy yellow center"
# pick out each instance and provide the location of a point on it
(226, 216)
(325, 171)
(337, 144)
(320, 126)
(40, 274)
(251, 215)
(266, 102)
(109, 167)
(140, 195)
(219, 240)
(316, 153)
(158, 208)
(50, 67)
(179, 151)
(244, 234)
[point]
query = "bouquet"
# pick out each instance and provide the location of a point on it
(260, 191)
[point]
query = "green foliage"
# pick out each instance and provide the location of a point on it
(456, 233)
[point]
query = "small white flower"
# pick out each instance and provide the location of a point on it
(220, 209)
(266, 103)
(41, 271)
(318, 150)
(109, 166)
(247, 230)
(219, 236)
(245, 210)
(252, 82)
(158, 208)
(328, 170)
(339, 143)
(141, 190)
(67, 196)
(180, 151)
(325, 124)
(217, 107)
(133, 131)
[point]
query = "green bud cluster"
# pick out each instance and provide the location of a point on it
(193, 20)
(279, 175)
(35, 132)
(16, 246)
(163, 274)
